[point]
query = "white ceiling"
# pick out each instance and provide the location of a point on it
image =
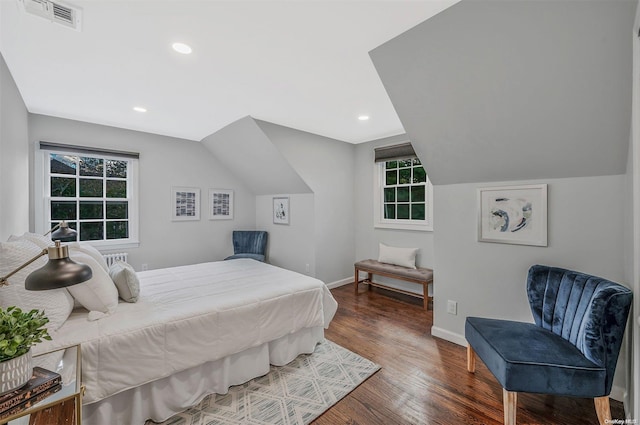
(301, 64)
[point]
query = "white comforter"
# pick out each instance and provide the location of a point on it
(190, 315)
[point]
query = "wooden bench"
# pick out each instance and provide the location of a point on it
(420, 276)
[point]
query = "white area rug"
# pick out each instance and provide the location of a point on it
(290, 395)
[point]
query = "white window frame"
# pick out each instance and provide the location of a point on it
(42, 204)
(399, 224)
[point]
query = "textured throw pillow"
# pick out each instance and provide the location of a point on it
(92, 251)
(36, 238)
(405, 257)
(56, 303)
(126, 281)
(98, 295)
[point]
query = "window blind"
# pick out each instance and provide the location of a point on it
(388, 153)
(61, 147)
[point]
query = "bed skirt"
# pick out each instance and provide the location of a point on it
(161, 399)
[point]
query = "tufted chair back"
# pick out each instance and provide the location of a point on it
(588, 311)
(249, 241)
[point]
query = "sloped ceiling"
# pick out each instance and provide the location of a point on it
(244, 147)
(499, 90)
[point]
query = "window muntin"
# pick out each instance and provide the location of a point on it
(404, 190)
(403, 195)
(92, 193)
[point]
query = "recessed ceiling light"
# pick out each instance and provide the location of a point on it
(181, 48)
(363, 117)
(139, 109)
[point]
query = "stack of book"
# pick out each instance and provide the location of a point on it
(42, 384)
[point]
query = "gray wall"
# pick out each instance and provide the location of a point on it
(630, 261)
(515, 90)
(367, 237)
(585, 233)
(633, 231)
(164, 162)
(327, 167)
(291, 246)
(14, 158)
(244, 147)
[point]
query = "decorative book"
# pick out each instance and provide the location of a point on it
(41, 381)
(31, 401)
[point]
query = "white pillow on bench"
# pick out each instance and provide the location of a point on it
(405, 257)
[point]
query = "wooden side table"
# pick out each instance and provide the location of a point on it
(65, 406)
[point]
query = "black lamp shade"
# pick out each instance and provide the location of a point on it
(59, 272)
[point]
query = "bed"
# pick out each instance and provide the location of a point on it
(195, 330)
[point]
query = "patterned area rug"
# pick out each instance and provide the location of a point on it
(289, 395)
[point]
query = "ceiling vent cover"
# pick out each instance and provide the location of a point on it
(54, 11)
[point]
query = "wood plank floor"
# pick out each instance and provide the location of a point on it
(423, 379)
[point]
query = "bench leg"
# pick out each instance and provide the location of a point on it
(471, 359)
(355, 280)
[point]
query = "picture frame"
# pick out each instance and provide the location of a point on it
(185, 203)
(220, 204)
(281, 210)
(513, 214)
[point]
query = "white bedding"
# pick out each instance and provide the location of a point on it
(190, 315)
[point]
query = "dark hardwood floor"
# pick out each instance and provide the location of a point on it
(424, 379)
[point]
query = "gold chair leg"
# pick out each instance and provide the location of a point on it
(603, 409)
(510, 401)
(471, 359)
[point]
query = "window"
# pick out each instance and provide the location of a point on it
(403, 191)
(94, 191)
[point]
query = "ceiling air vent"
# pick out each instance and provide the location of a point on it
(54, 11)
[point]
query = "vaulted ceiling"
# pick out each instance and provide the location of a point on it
(302, 64)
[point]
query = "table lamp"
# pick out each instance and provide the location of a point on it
(62, 232)
(59, 272)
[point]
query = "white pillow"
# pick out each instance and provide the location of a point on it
(92, 251)
(36, 238)
(98, 295)
(56, 303)
(126, 280)
(405, 257)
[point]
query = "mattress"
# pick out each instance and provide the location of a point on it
(190, 315)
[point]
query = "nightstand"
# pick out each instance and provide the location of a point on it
(65, 406)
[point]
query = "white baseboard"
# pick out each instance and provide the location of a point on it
(449, 336)
(617, 393)
(620, 394)
(340, 282)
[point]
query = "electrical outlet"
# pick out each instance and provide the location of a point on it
(452, 307)
(307, 268)
(145, 266)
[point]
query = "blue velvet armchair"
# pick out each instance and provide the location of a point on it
(572, 348)
(249, 244)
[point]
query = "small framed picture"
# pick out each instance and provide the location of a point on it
(281, 210)
(513, 215)
(220, 204)
(185, 203)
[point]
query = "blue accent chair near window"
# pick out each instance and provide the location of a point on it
(572, 348)
(249, 244)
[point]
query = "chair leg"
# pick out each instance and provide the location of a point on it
(510, 401)
(603, 409)
(471, 359)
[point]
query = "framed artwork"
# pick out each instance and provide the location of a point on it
(513, 214)
(281, 210)
(185, 203)
(220, 204)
